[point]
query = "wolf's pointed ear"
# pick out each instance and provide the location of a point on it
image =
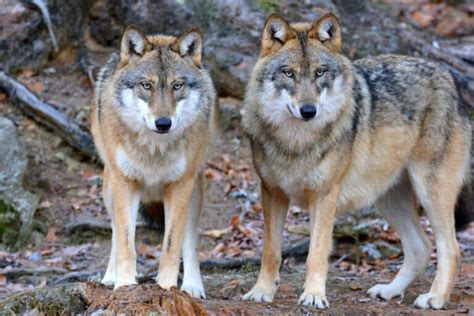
(133, 44)
(328, 31)
(276, 33)
(190, 45)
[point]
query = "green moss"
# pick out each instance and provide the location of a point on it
(383, 6)
(57, 300)
(470, 114)
(270, 6)
(9, 225)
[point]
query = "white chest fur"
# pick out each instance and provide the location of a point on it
(152, 171)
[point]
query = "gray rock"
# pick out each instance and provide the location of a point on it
(24, 38)
(231, 28)
(17, 206)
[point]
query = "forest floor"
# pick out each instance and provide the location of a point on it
(71, 240)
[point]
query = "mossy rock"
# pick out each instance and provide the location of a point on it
(57, 300)
(9, 225)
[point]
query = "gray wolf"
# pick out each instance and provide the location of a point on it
(331, 135)
(153, 121)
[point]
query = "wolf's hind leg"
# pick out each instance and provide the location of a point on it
(437, 193)
(398, 208)
(192, 281)
(437, 178)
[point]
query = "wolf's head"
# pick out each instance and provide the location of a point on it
(300, 75)
(160, 84)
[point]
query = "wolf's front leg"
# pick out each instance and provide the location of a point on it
(322, 210)
(275, 206)
(126, 200)
(177, 196)
(192, 281)
(111, 272)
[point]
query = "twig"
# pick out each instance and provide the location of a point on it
(69, 130)
(229, 263)
(71, 228)
(17, 272)
(81, 276)
(43, 7)
(92, 225)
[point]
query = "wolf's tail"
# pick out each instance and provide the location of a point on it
(464, 211)
(154, 215)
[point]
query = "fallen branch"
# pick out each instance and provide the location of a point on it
(17, 272)
(76, 276)
(92, 225)
(87, 225)
(229, 263)
(69, 130)
(300, 249)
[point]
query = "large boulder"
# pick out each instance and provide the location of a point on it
(24, 38)
(17, 206)
(232, 29)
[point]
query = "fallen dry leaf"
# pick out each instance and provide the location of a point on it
(147, 251)
(467, 270)
(217, 233)
(423, 19)
(299, 229)
(51, 236)
(235, 220)
(355, 287)
(3, 97)
(26, 73)
(44, 204)
(46, 252)
(35, 86)
(213, 174)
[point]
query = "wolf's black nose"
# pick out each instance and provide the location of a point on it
(163, 124)
(308, 111)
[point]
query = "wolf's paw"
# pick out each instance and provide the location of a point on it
(259, 295)
(428, 301)
(165, 283)
(314, 300)
(108, 280)
(119, 283)
(196, 289)
(385, 292)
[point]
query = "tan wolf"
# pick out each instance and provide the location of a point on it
(153, 121)
(331, 135)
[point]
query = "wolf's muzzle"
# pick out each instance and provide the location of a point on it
(163, 124)
(308, 111)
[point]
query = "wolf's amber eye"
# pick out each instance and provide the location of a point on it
(320, 72)
(288, 72)
(177, 86)
(146, 85)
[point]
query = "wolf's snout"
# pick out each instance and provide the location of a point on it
(163, 124)
(308, 111)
